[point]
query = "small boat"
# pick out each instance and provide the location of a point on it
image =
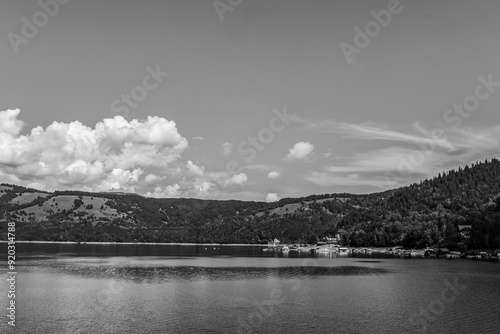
(470, 255)
(416, 253)
(483, 255)
(273, 244)
(453, 255)
(405, 253)
(495, 254)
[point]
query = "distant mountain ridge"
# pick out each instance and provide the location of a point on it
(422, 214)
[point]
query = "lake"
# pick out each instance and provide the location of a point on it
(126, 288)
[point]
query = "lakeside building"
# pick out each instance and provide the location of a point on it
(335, 240)
(465, 230)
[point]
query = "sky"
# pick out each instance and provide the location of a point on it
(245, 99)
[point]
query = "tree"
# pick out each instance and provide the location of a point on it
(313, 239)
(77, 203)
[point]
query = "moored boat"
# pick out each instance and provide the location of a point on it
(417, 252)
(453, 255)
(343, 250)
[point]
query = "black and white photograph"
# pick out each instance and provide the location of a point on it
(250, 166)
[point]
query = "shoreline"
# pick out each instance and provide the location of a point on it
(374, 249)
(129, 243)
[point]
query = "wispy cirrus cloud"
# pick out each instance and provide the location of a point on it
(415, 152)
(454, 141)
(260, 167)
(378, 160)
(352, 180)
(368, 131)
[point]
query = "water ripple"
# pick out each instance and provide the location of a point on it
(196, 273)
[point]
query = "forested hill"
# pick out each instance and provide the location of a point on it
(470, 187)
(427, 213)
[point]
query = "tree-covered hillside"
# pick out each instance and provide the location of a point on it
(428, 213)
(423, 214)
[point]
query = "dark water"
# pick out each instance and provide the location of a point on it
(227, 289)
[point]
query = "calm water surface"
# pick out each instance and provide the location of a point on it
(227, 289)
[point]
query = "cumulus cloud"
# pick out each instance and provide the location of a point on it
(9, 124)
(120, 179)
(169, 191)
(150, 178)
(194, 169)
(238, 179)
(300, 151)
(114, 155)
(213, 183)
(273, 175)
(142, 156)
(202, 189)
(227, 148)
(209, 185)
(272, 197)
